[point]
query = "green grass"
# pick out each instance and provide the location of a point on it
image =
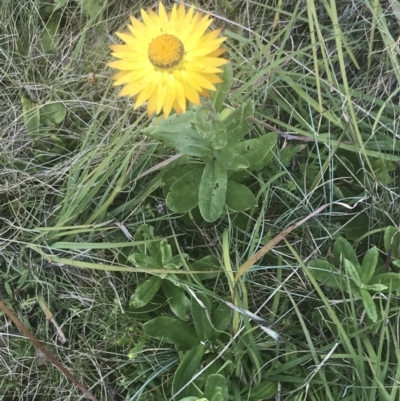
(325, 72)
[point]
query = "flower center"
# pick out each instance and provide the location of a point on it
(165, 51)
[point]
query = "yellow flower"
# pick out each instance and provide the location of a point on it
(168, 59)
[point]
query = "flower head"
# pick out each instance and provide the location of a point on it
(168, 59)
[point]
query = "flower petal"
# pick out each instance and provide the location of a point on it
(144, 95)
(168, 88)
(197, 32)
(142, 40)
(151, 106)
(152, 27)
(180, 95)
(177, 108)
(200, 80)
(162, 15)
(126, 65)
(170, 96)
(130, 76)
(127, 38)
(119, 75)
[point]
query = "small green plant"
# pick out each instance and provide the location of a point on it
(157, 254)
(212, 139)
(200, 328)
(200, 374)
(36, 117)
(42, 124)
(359, 279)
(215, 390)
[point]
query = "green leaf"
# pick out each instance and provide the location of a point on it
(143, 260)
(382, 168)
(352, 271)
(174, 124)
(390, 280)
(189, 142)
(236, 123)
(59, 145)
(145, 292)
(369, 305)
(171, 331)
(212, 192)
(218, 396)
(166, 252)
(357, 226)
(215, 368)
(31, 116)
(203, 122)
(391, 240)
(369, 264)
(239, 197)
(220, 135)
(205, 264)
(190, 399)
(50, 35)
(176, 262)
(93, 8)
(139, 314)
(225, 113)
(239, 176)
(264, 391)
(231, 159)
(189, 366)
(216, 385)
(184, 193)
(177, 299)
(380, 269)
(326, 273)
(375, 287)
(192, 144)
(337, 192)
(201, 312)
(145, 232)
(170, 176)
(342, 249)
(221, 318)
(258, 152)
(143, 313)
(52, 114)
(219, 96)
(177, 132)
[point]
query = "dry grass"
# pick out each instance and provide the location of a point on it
(41, 198)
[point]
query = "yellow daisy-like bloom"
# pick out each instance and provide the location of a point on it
(168, 59)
